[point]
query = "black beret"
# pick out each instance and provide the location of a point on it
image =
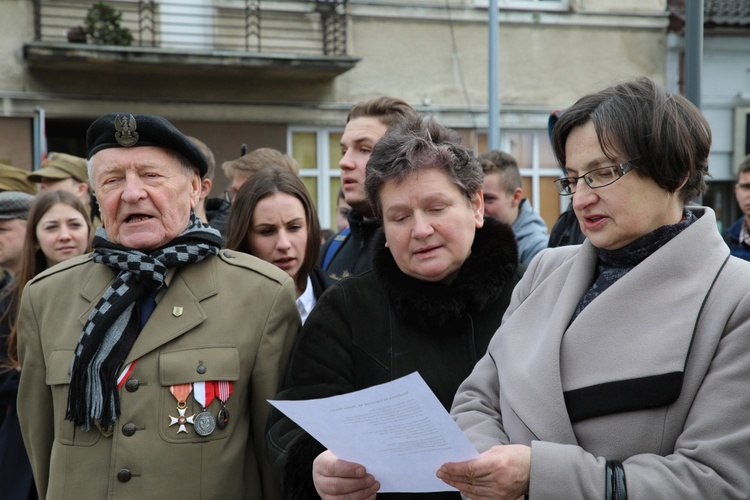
(123, 130)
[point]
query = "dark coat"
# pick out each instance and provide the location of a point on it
(217, 213)
(16, 479)
(382, 325)
(732, 238)
(320, 281)
(566, 230)
(353, 256)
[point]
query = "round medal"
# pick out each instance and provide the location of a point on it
(204, 423)
(223, 417)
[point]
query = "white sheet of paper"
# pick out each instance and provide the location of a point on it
(398, 430)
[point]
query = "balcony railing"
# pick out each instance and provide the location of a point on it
(299, 27)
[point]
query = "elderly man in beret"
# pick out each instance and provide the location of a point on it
(146, 365)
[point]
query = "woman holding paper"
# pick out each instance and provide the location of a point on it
(622, 365)
(442, 278)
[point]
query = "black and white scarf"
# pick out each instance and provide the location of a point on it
(112, 326)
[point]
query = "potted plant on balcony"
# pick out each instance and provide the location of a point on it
(102, 26)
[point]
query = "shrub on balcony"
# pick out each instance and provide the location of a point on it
(102, 26)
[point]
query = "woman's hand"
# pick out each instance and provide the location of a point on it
(338, 479)
(502, 472)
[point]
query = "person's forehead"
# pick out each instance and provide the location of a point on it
(493, 178)
(744, 178)
(363, 128)
(12, 223)
(119, 158)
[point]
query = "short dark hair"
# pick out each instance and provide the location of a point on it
(504, 164)
(416, 145)
(210, 158)
(263, 183)
(744, 167)
(389, 110)
(662, 133)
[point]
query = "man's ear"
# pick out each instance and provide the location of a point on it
(83, 190)
(205, 188)
(195, 189)
(517, 197)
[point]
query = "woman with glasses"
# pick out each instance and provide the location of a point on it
(622, 365)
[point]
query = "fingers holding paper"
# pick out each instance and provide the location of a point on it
(337, 479)
(502, 472)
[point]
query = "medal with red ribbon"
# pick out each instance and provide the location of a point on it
(204, 393)
(223, 390)
(181, 393)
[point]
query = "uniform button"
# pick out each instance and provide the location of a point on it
(201, 369)
(123, 476)
(128, 429)
(132, 385)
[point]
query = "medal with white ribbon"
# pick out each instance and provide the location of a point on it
(181, 393)
(223, 391)
(205, 423)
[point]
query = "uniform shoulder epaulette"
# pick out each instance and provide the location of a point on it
(67, 264)
(252, 263)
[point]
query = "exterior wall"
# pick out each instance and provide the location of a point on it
(15, 142)
(725, 90)
(431, 54)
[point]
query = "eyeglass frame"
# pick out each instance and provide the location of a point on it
(620, 169)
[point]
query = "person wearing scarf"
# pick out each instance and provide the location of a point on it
(622, 364)
(147, 363)
(442, 277)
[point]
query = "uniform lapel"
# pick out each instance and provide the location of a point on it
(178, 310)
(100, 277)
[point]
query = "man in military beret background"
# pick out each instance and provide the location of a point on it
(14, 211)
(15, 179)
(67, 173)
(174, 345)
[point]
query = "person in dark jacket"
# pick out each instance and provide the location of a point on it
(348, 252)
(566, 230)
(58, 229)
(737, 235)
(213, 211)
(442, 277)
(273, 218)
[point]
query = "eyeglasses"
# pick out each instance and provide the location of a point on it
(229, 195)
(597, 178)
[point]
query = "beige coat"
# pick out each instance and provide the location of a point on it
(684, 310)
(233, 314)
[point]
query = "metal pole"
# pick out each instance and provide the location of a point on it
(39, 146)
(493, 111)
(693, 50)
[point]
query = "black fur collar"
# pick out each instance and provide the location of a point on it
(491, 265)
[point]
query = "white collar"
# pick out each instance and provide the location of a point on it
(306, 301)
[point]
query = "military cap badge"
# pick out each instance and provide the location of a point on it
(125, 134)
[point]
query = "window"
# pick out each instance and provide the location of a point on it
(318, 151)
(533, 152)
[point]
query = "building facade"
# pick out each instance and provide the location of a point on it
(284, 73)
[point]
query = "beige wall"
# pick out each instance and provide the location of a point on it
(433, 57)
(15, 142)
